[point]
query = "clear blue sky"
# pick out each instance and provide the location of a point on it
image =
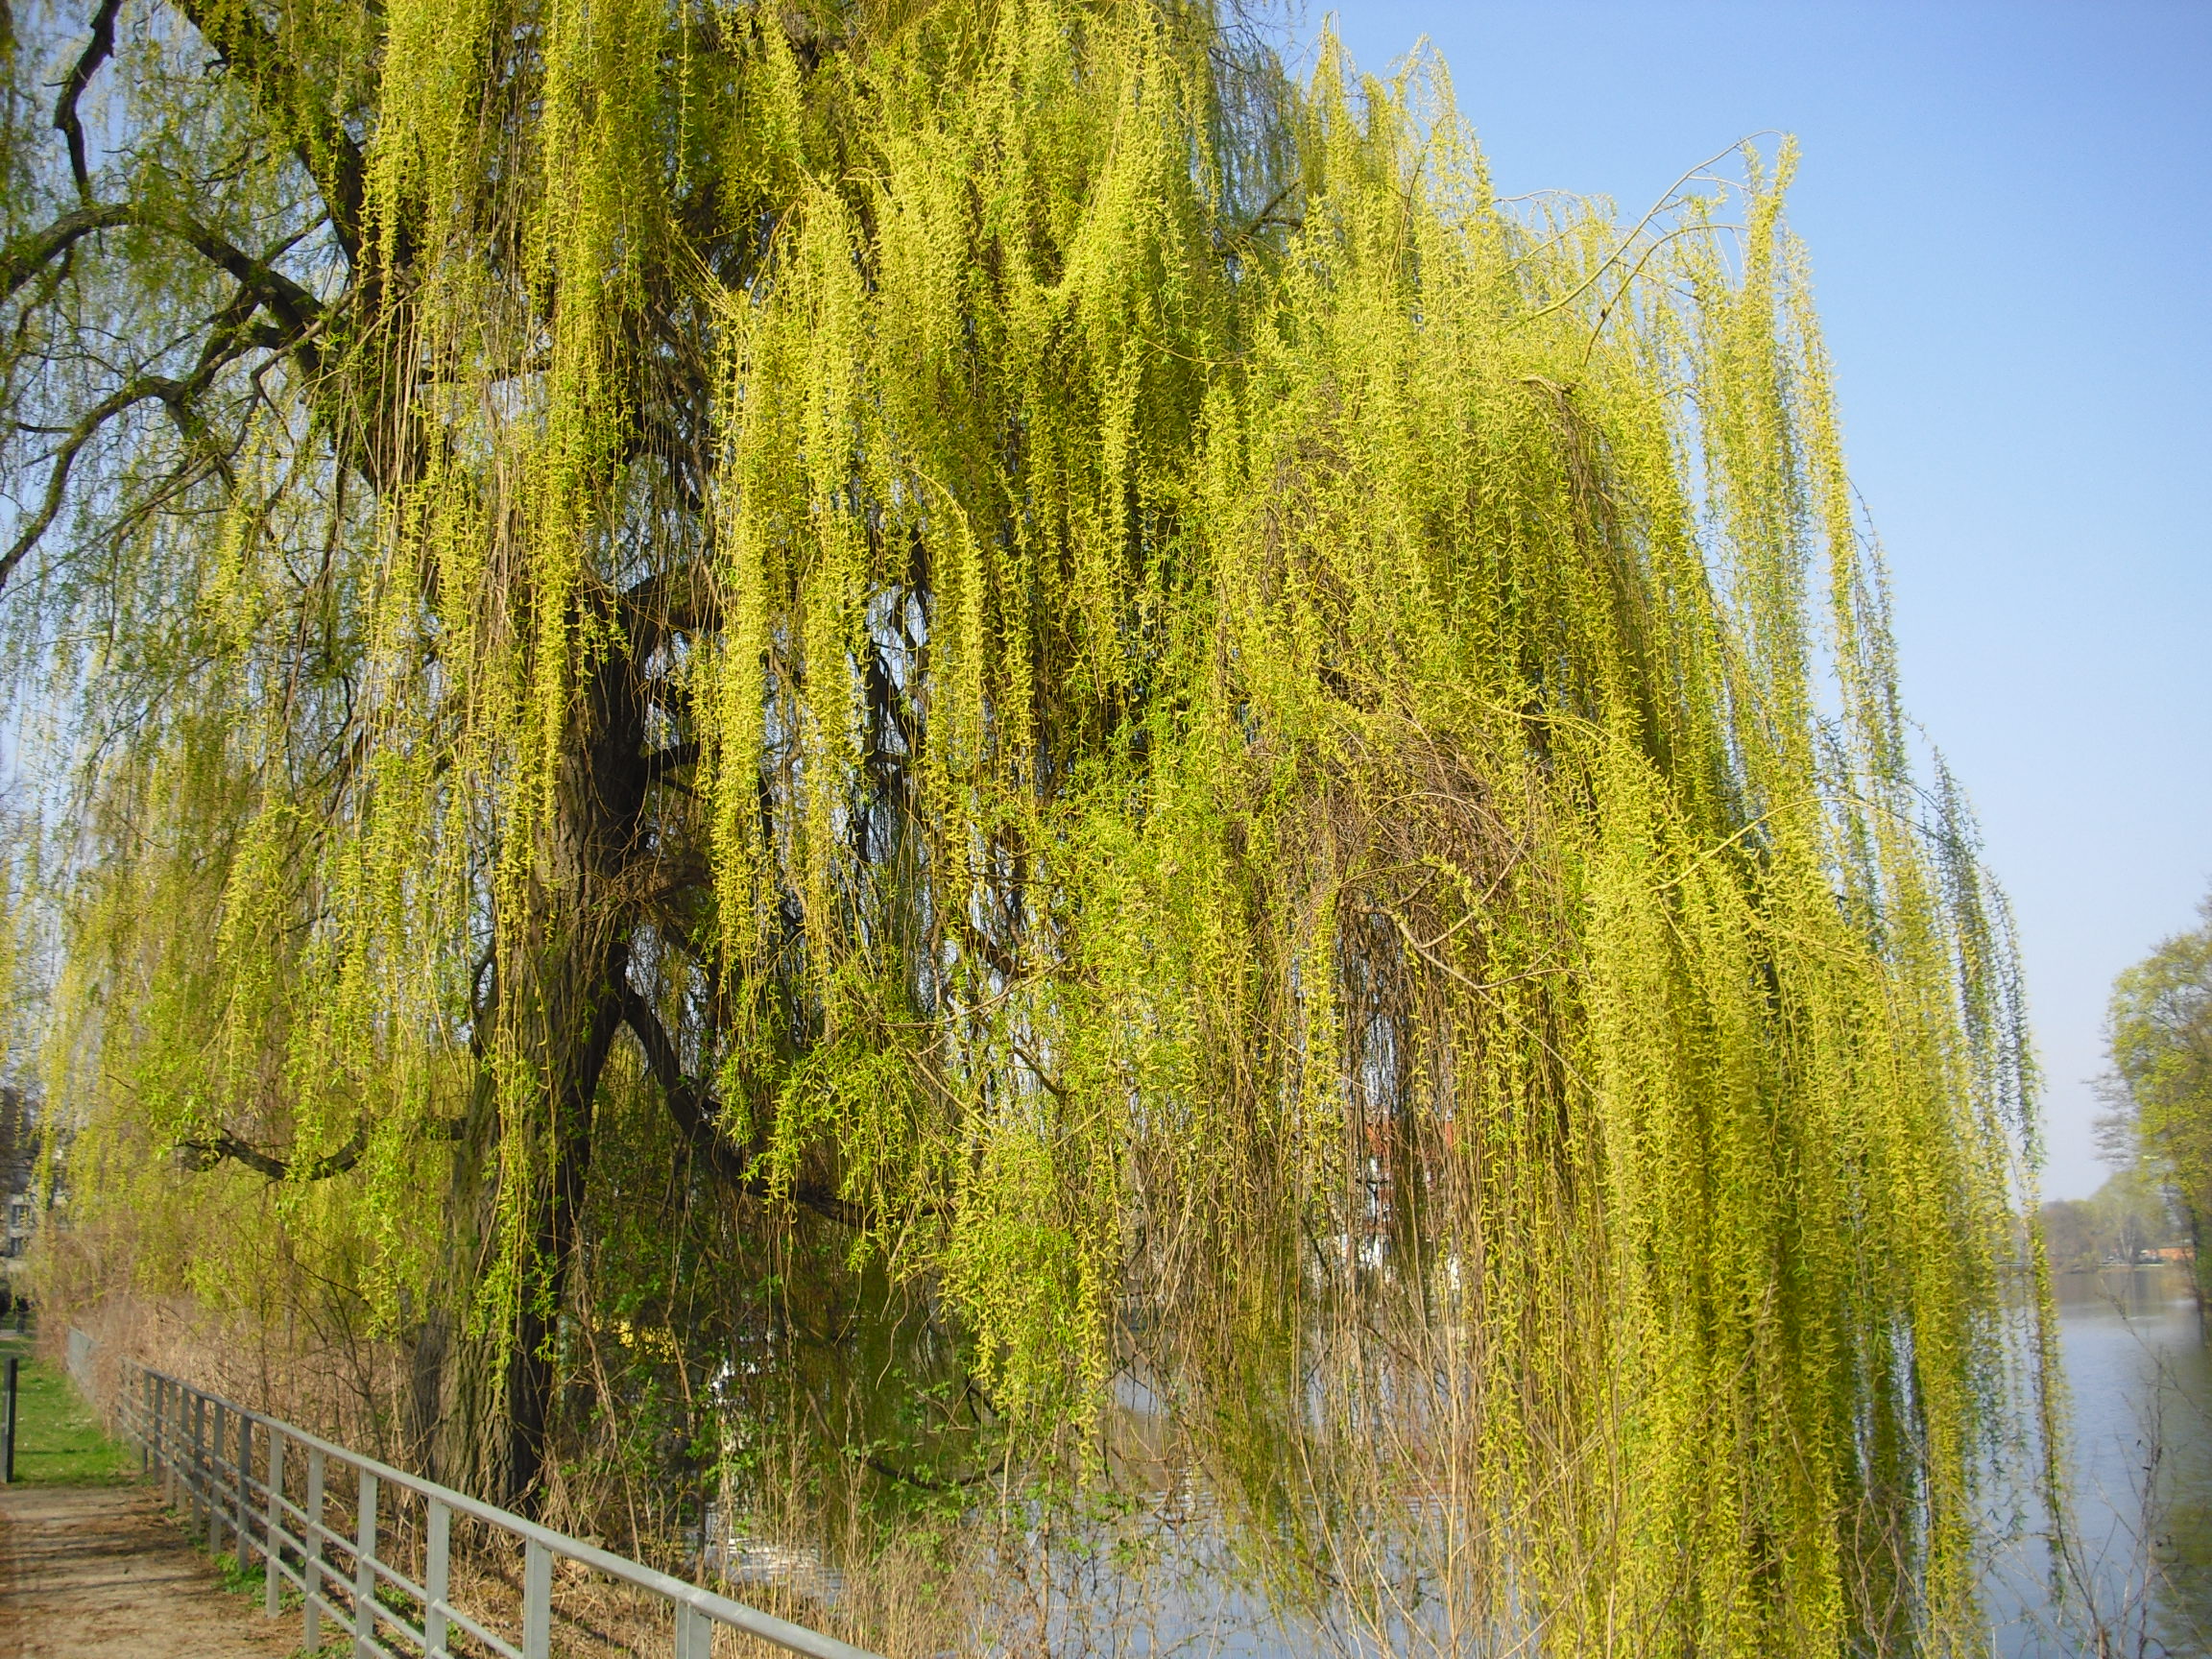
(2009, 210)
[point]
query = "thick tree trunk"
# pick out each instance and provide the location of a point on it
(563, 982)
(525, 1153)
(475, 1427)
(525, 1148)
(580, 1015)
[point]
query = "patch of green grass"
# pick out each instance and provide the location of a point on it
(241, 1580)
(58, 1441)
(250, 1585)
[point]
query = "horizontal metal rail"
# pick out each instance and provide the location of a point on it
(206, 1452)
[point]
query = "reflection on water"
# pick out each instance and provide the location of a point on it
(1261, 1519)
(2139, 1574)
(2136, 1579)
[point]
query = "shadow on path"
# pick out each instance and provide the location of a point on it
(95, 1571)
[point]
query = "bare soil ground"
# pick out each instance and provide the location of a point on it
(96, 1572)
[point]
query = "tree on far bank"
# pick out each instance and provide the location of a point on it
(2160, 1032)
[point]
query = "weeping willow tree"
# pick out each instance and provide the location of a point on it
(1095, 674)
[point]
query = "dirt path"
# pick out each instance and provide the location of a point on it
(95, 1571)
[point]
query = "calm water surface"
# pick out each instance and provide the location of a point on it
(1176, 1571)
(2140, 1462)
(2135, 1580)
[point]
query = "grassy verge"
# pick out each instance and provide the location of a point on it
(58, 1441)
(249, 1584)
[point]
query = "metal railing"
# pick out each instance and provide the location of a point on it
(205, 1451)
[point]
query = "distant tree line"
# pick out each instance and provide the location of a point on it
(2126, 1217)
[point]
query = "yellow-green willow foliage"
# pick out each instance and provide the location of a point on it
(1118, 684)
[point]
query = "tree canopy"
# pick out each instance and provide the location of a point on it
(993, 655)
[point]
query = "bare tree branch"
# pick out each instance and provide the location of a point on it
(295, 311)
(24, 257)
(206, 1154)
(693, 1112)
(32, 252)
(294, 107)
(132, 393)
(673, 759)
(97, 52)
(680, 599)
(285, 300)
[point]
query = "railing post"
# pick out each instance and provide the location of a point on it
(536, 1601)
(213, 1488)
(694, 1633)
(8, 1423)
(199, 1458)
(148, 1424)
(311, 1551)
(363, 1573)
(168, 1463)
(242, 1510)
(273, 1552)
(210, 1451)
(437, 1571)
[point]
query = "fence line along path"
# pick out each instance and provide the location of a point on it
(270, 1486)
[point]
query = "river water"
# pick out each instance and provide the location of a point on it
(1179, 1563)
(2138, 1570)
(2134, 1578)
